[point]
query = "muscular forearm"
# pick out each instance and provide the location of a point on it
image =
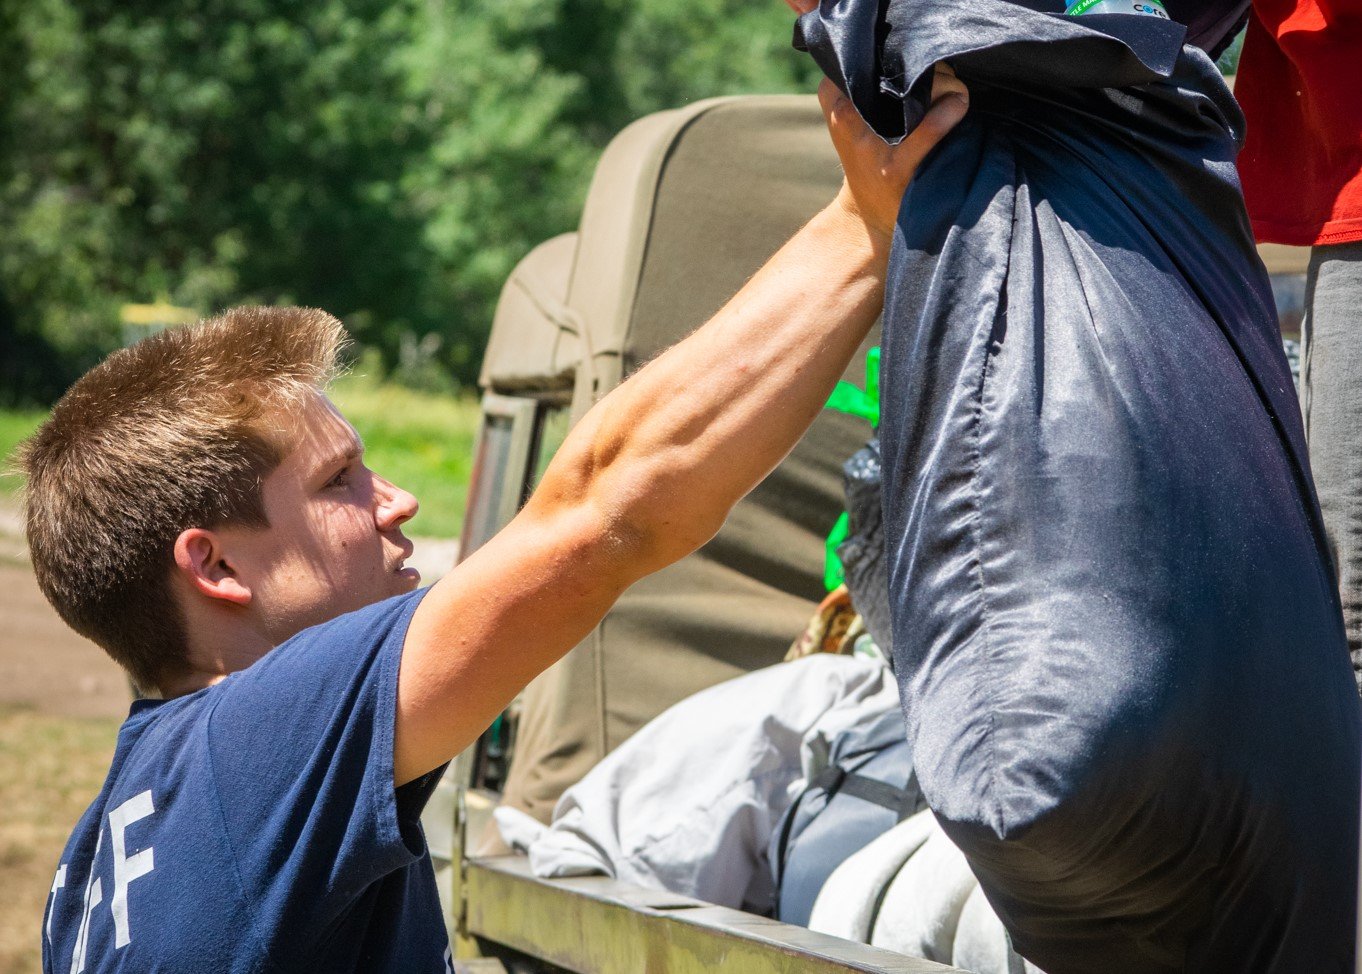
(669, 452)
(652, 470)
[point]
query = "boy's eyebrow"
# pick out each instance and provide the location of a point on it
(343, 458)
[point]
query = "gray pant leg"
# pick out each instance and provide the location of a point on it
(1331, 400)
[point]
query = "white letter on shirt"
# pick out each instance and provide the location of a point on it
(58, 883)
(94, 895)
(127, 868)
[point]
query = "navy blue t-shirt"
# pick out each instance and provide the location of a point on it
(254, 826)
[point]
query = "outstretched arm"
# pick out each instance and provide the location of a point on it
(650, 473)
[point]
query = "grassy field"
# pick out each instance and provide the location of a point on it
(15, 425)
(50, 768)
(420, 441)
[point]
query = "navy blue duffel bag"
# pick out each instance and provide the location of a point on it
(1116, 626)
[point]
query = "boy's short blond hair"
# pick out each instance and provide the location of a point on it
(178, 431)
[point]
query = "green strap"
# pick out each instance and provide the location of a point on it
(865, 403)
(833, 572)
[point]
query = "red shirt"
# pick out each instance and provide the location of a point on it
(1300, 84)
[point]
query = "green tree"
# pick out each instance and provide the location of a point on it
(506, 167)
(669, 54)
(1228, 62)
(210, 153)
(389, 160)
(55, 307)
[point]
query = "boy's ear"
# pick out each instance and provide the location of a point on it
(203, 563)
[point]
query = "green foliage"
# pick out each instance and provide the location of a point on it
(673, 53)
(504, 170)
(422, 442)
(16, 425)
(1228, 62)
(211, 153)
(388, 160)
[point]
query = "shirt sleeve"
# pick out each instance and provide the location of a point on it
(300, 746)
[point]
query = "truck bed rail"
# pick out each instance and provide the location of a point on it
(596, 925)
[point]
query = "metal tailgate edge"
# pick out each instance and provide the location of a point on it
(596, 925)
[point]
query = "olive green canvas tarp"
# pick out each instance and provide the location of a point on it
(685, 206)
(534, 342)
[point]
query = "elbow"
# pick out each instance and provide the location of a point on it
(621, 525)
(657, 515)
(668, 540)
(641, 513)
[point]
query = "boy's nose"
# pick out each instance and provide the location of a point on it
(395, 505)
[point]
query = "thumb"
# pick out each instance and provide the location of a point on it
(944, 114)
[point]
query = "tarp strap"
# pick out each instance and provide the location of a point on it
(835, 781)
(832, 780)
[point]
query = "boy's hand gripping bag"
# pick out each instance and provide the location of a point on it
(1115, 621)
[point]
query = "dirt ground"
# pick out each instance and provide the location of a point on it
(61, 701)
(44, 666)
(50, 769)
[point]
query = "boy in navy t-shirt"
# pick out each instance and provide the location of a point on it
(197, 507)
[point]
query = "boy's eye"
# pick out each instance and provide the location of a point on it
(341, 478)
